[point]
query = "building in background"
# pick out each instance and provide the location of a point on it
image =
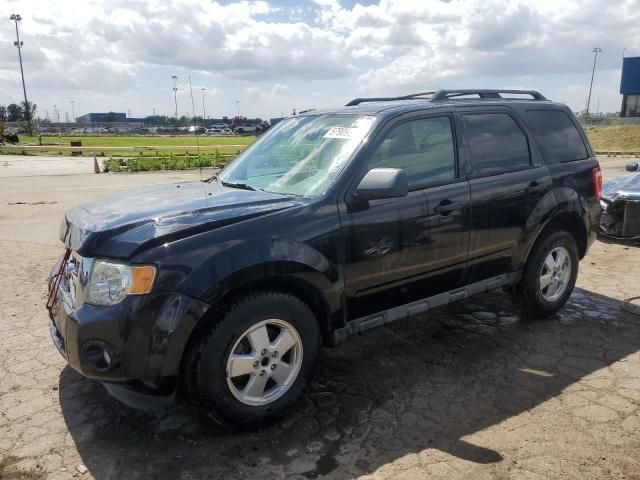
(104, 118)
(630, 90)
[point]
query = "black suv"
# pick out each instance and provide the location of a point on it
(332, 223)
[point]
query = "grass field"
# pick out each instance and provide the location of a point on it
(121, 146)
(615, 138)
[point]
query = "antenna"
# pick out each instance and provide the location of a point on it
(193, 114)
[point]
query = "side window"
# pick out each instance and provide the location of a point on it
(557, 134)
(496, 144)
(423, 148)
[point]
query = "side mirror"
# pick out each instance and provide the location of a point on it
(631, 167)
(381, 183)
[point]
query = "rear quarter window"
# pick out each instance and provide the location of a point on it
(557, 135)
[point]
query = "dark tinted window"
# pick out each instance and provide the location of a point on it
(557, 134)
(496, 143)
(423, 148)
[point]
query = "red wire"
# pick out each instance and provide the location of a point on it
(58, 278)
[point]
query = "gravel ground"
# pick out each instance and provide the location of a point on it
(468, 391)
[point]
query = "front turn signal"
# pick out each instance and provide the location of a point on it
(142, 279)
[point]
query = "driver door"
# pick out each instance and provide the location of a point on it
(400, 250)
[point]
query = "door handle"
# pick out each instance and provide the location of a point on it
(534, 187)
(445, 207)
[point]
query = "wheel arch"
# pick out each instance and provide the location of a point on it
(299, 280)
(310, 294)
(570, 222)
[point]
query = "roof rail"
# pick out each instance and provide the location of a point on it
(483, 93)
(447, 94)
(358, 101)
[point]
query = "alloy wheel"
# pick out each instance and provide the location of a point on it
(264, 362)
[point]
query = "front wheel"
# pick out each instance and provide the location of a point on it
(255, 362)
(549, 275)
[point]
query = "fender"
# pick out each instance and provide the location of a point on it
(242, 264)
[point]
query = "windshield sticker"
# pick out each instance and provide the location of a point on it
(346, 133)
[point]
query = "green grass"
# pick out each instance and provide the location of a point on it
(139, 141)
(615, 138)
(165, 162)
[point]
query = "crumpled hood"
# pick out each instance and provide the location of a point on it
(121, 225)
(625, 187)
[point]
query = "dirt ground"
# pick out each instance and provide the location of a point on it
(468, 391)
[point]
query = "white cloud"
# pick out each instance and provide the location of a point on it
(322, 52)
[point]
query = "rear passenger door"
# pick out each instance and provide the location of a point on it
(507, 180)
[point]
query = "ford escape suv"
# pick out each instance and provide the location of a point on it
(332, 223)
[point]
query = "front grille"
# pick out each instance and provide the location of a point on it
(75, 276)
(631, 222)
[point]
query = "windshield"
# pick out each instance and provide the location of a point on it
(300, 155)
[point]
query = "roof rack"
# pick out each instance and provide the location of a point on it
(447, 94)
(483, 93)
(358, 101)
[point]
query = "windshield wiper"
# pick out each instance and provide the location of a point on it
(242, 186)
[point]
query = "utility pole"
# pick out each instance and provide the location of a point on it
(175, 93)
(16, 18)
(73, 111)
(596, 50)
(204, 112)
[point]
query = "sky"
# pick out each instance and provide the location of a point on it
(274, 56)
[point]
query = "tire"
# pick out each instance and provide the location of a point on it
(537, 302)
(284, 319)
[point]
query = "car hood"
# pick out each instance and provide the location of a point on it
(626, 187)
(121, 225)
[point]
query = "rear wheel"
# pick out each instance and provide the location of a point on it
(255, 362)
(549, 275)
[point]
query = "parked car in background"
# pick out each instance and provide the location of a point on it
(621, 205)
(332, 223)
(213, 131)
(242, 129)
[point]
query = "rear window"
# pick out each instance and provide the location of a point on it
(496, 143)
(557, 135)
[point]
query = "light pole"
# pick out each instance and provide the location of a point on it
(16, 18)
(175, 93)
(204, 112)
(73, 111)
(596, 50)
(238, 107)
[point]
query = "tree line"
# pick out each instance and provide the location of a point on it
(17, 112)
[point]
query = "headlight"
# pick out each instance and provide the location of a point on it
(111, 282)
